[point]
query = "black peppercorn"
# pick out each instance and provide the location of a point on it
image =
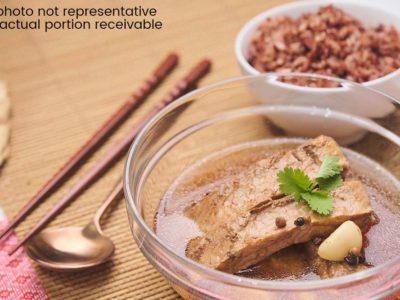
(361, 259)
(352, 260)
(299, 221)
(362, 256)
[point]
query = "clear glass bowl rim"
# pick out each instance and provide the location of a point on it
(218, 275)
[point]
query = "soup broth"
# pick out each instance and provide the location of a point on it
(221, 169)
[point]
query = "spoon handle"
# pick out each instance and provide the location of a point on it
(115, 194)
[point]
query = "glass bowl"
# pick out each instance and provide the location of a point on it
(242, 110)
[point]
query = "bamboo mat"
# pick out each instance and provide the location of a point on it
(65, 84)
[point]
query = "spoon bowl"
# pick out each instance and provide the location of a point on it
(74, 248)
(70, 248)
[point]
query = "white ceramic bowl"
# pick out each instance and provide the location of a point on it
(369, 15)
(280, 93)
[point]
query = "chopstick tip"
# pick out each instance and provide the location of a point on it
(4, 234)
(173, 54)
(172, 58)
(15, 248)
(206, 64)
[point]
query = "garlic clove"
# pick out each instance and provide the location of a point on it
(345, 238)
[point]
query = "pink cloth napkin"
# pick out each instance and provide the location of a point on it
(18, 280)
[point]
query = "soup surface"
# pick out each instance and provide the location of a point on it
(223, 168)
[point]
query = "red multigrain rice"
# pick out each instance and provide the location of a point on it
(328, 42)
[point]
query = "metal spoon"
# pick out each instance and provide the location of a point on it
(74, 248)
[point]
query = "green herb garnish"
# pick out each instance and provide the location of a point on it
(315, 193)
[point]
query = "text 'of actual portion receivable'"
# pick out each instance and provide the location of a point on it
(69, 18)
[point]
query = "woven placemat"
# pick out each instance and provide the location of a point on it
(65, 84)
(4, 122)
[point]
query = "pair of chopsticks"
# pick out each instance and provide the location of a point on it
(148, 86)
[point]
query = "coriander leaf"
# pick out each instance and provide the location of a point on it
(319, 201)
(330, 167)
(294, 181)
(330, 183)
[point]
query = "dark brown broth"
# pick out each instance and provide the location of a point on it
(289, 264)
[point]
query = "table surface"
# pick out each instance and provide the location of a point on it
(65, 84)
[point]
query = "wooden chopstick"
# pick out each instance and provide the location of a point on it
(146, 88)
(117, 150)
